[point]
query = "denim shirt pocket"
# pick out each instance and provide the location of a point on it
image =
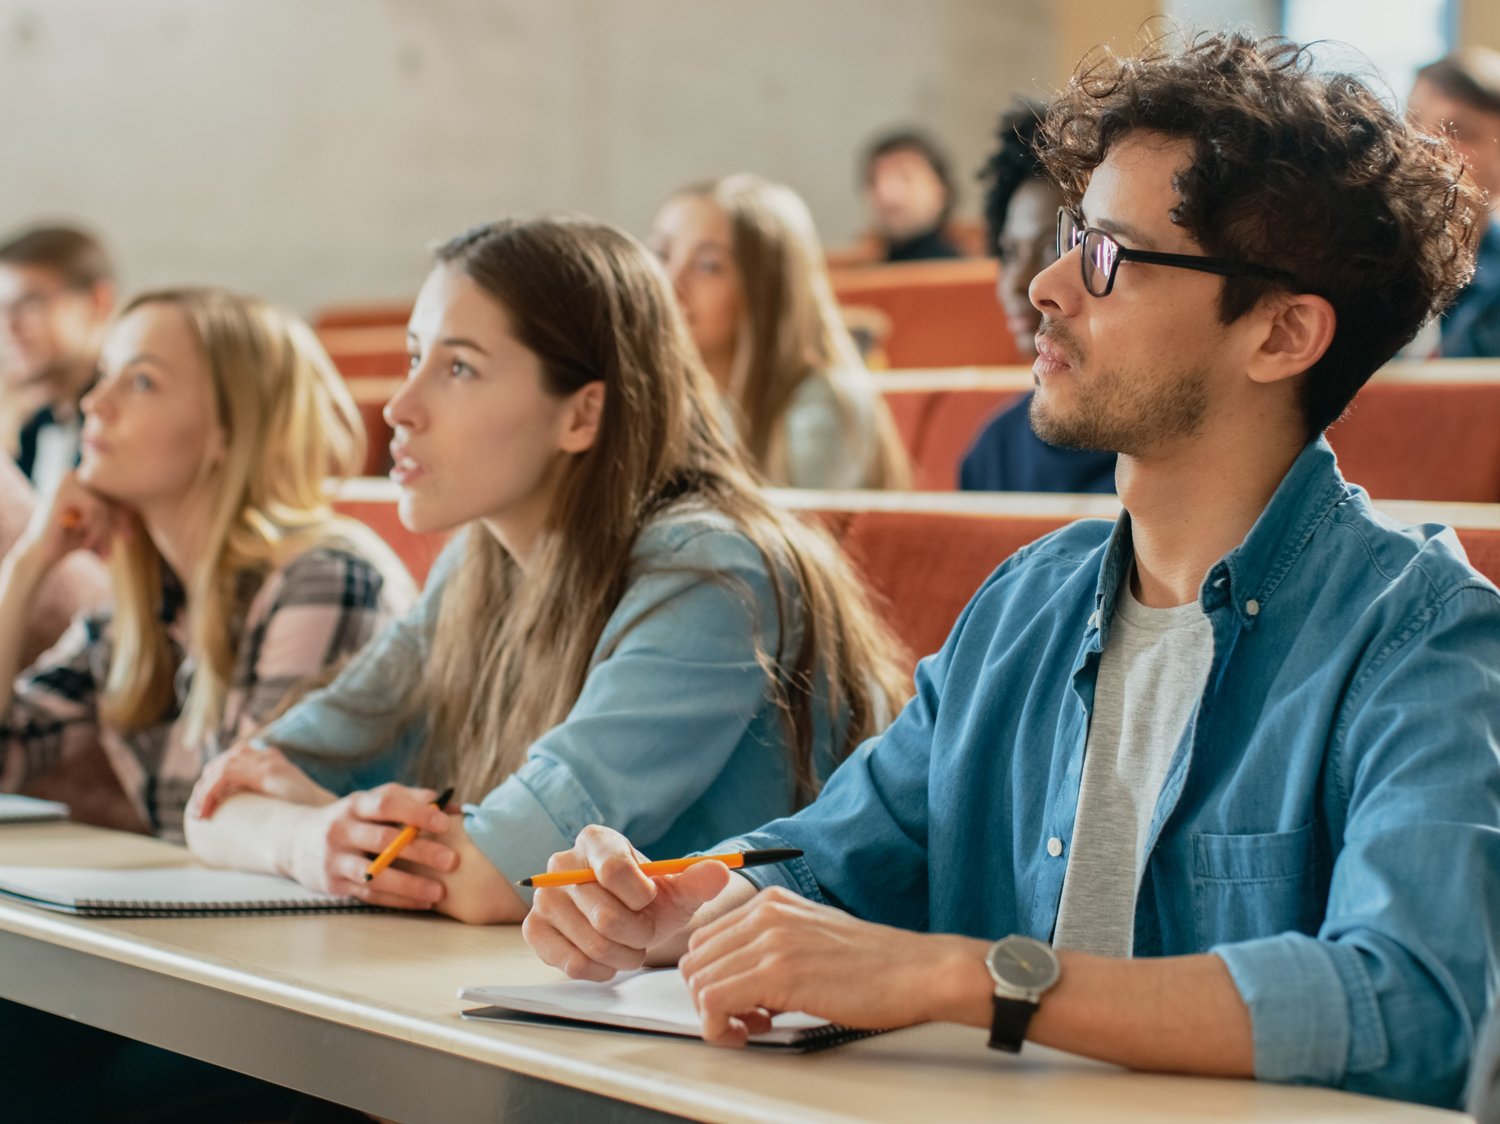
(1248, 886)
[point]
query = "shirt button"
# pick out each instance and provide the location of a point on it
(1252, 607)
(1054, 846)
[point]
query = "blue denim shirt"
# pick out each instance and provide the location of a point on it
(1330, 821)
(674, 740)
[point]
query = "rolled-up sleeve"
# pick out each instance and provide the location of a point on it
(674, 689)
(1386, 998)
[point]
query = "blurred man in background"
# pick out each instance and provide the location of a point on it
(910, 194)
(57, 293)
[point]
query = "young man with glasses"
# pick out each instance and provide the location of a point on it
(57, 293)
(1226, 771)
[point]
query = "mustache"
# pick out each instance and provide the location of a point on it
(1059, 336)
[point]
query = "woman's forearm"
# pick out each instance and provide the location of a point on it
(249, 832)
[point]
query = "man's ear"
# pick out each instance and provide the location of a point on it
(1295, 331)
(581, 422)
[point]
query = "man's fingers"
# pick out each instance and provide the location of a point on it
(560, 909)
(616, 865)
(556, 950)
(697, 884)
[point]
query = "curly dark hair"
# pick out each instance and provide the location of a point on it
(1307, 174)
(1013, 163)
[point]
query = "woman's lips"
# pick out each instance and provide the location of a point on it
(404, 468)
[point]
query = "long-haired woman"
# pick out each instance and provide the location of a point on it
(206, 447)
(747, 269)
(627, 632)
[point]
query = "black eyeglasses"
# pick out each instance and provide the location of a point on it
(1102, 256)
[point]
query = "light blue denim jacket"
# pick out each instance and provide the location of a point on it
(674, 739)
(1329, 824)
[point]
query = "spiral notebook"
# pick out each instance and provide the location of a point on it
(178, 891)
(650, 1001)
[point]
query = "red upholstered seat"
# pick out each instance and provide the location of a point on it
(1483, 548)
(942, 314)
(923, 568)
(1424, 440)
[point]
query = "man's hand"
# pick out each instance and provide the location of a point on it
(780, 952)
(595, 930)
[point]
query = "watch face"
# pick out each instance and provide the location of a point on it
(1023, 964)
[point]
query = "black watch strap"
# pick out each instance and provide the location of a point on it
(1009, 1023)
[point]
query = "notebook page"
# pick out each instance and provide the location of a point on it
(649, 999)
(162, 888)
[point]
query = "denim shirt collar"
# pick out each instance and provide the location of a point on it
(1247, 577)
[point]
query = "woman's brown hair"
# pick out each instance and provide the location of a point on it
(511, 650)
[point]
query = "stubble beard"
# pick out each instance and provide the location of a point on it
(1119, 413)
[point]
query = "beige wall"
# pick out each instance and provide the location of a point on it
(1083, 25)
(1479, 23)
(308, 150)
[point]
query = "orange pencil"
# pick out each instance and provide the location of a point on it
(668, 866)
(398, 844)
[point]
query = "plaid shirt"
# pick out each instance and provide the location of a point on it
(319, 607)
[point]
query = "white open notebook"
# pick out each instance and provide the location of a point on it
(651, 1001)
(28, 809)
(161, 892)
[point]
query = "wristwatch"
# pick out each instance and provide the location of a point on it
(1022, 969)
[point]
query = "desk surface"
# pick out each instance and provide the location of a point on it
(387, 985)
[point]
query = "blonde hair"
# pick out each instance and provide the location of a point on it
(511, 650)
(792, 328)
(289, 423)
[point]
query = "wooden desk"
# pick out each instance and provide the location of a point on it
(362, 1009)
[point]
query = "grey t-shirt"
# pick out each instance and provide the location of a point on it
(1151, 676)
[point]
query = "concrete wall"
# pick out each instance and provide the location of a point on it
(308, 150)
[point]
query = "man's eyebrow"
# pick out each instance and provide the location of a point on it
(1123, 231)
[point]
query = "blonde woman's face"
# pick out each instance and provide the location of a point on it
(477, 436)
(692, 237)
(150, 431)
